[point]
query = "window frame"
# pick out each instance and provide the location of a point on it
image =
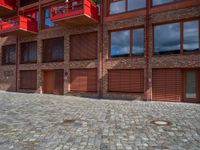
(131, 55)
(181, 22)
(43, 18)
(27, 62)
(3, 60)
(57, 60)
(126, 8)
(20, 84)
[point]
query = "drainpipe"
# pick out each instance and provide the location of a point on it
(101, 29)
(17, 52)
(147, 49)
(17, 61)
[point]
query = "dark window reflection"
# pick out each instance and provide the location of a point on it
(120, 43)
(47, 19)
(29, 52)
(167, 39)
(136, 4)
(159, 2)
(138, 42)
(191, 36)
(117, 7)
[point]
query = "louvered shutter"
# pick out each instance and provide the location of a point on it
(128, 81)
(83, 46)
(167, 84)
(28, 79)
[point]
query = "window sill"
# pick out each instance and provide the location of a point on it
(128, 57)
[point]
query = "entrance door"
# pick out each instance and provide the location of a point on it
(191, 86)
(53, 82)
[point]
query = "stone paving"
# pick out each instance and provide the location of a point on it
(47, 122)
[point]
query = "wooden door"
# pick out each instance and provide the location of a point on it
(54, 82)
(59, 82)
(48, 82)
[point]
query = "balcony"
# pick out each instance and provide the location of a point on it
(75, 13)
(7, 7)
(18, 25)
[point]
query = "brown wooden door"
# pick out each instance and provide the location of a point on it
(59, 82)
(54, 82)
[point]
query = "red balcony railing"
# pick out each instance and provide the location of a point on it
(68, 11)
(7, 7)
(19, 24)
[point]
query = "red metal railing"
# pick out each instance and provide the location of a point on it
(18, 22)
(10, 4)
(73, 8)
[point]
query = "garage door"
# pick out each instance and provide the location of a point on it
(126, 81)
(83, 80)
(167, 84)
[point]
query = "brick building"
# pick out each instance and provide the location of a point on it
(146, 49)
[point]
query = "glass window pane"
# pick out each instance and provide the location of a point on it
(191, 36)
(191, 84)
(138, 42)
(120, 43)
(167, 39)
(117, 7)
(159, 2)
(136, 4)
(47, 21)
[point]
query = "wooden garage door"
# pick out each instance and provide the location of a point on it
(167, 84)
(83, 80)
(130, 81)
(83, 46)
(28, 80)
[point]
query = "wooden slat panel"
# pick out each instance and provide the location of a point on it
(167, 84)
(83, 80)
(130, 81)
(28, 79)
(83, 46)
(59, 82)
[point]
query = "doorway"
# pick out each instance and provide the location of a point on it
(53, 82)
(191, 86)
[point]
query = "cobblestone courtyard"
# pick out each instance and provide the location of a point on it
(47, 122)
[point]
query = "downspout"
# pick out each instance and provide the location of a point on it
(101, 30)
(147, 49)
(17, 52)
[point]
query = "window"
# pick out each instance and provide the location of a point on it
(122, 43)
(160, 2)
(138, 42)
(27, 2)
(47, 23)
(8, 54)
(53, 50)
(84, 46)
(191, 36)
(28, 80)
(120, 6)
(29, 52)
(167, 39)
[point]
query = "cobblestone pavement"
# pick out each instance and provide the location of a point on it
(47, 122)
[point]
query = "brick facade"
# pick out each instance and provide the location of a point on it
(192, 60)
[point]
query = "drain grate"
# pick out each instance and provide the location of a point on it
(161, 122)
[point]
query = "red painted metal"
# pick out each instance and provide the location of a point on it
(74, 8)
(18, 23)
(9, 4)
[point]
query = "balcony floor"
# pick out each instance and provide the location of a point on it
(80, 20)
(20, 32)
(4, 11)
